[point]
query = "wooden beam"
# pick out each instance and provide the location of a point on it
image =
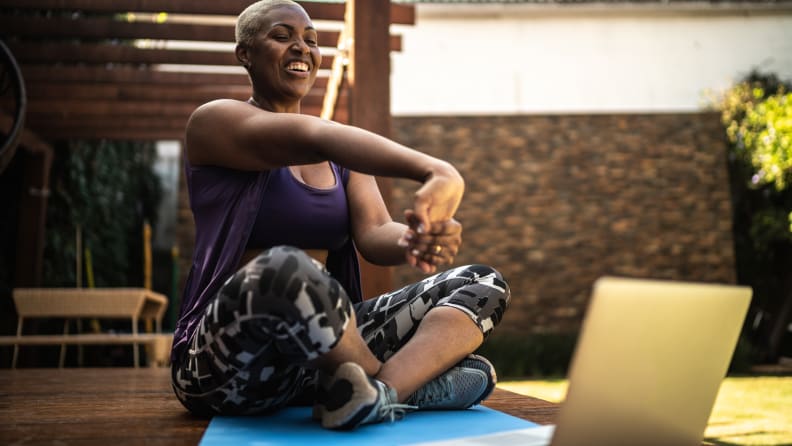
(121, 75)
(91, 91)
(368, 75)
(109, 28)
(128, 74)
(44, 126)
(112, 128)
(400, 14)
(104, 99)
(88, 110)
(93, 53)
(66, 108)
(32, 215)
(333, 90)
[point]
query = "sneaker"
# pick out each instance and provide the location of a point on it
(353, 398)
(466, 384)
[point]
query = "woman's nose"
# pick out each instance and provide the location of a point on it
(300, 46)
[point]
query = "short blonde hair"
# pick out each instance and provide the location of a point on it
(249, 21)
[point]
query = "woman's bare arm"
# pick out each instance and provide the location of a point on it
(237, 135)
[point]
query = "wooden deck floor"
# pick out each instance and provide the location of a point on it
(125, 406)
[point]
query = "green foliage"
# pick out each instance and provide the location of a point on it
(759, 125)
(529, 355)
(757, 115)
(109, 189)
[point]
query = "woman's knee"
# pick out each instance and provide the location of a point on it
(486, 296)
(288, 277)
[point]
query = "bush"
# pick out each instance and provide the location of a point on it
(537, 355)
(757, 115)
(109, 189)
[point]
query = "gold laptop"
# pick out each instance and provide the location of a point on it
(647, 367)
(649, 362)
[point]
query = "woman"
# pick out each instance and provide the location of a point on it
(276, 196)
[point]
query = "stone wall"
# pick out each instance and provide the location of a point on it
(554, 202)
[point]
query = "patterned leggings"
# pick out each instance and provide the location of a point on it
(248, 352)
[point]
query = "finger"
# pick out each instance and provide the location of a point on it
(436, 245)
(414, 223)
(421, 211)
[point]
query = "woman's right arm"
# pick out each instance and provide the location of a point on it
(238, 135)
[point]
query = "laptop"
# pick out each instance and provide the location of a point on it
(647, 366)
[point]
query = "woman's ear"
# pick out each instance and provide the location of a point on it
(242, 55)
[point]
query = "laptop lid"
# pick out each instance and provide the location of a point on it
(649, 362)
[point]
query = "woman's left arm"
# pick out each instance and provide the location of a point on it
(385, 242)
(376, 235)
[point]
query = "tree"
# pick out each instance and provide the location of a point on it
(109, 189)
(757, 114)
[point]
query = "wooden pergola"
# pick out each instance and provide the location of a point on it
(136, 69)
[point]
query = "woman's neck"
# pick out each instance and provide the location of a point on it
(273, 106)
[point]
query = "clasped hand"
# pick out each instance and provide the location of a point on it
(428, 248)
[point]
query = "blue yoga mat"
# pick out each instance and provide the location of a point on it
(294, 426)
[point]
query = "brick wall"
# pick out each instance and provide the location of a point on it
(554, 202)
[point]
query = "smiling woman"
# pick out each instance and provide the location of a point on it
(281, 55)
(282, 203)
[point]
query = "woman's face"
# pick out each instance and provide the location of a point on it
(284, 56)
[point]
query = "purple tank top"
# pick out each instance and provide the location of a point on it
(225, 205)
(296, 214)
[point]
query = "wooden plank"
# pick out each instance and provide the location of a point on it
(114, 134)
(108, 28)
(125, 406)
(128, 74)
(109, 106)
(143, 92)
(93, 53)
(124, 127)
(66, 108)
(97, 123)
(401, 14)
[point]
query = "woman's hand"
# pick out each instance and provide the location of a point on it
(438, 198)
(428, 249)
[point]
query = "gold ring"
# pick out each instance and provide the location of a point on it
(438, 249)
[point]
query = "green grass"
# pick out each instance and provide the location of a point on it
(748, 410)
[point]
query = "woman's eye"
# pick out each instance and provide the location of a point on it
(281, 37)
(310, 42)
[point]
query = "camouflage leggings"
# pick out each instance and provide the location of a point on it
(282, 309)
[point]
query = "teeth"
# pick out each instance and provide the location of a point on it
(298, 66)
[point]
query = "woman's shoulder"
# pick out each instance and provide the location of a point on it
(219, 106)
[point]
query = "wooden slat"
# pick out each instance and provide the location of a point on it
(400, 14)
(79, 122)
(108, 28)
(85, 91)
(43, 110)
(139, 134)
(128, 74)
(91, 53)
(143, 92)
(90, 101)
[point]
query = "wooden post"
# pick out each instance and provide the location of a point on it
(32, 216)
(368, 75)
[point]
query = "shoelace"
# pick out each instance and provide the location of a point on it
(394, 411)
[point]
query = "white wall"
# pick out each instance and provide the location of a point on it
(509, 59)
